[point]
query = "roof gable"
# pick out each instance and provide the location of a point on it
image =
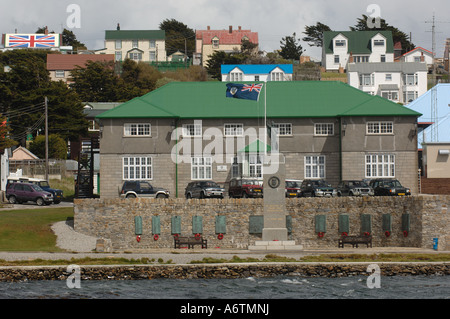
(257, 68)
(293, 99)
(359, 42)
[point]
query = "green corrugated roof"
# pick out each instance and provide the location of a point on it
(294, 99)
(135, 34)
(358, 41)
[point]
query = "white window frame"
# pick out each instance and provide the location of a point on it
(152, 44)
(236, 76)
(390, 95)
(201, 168)
(135, 44)
(192, 130)
(378, 43)
(118, 56)
(137, 168)
(323, 129)
(255, 165)
(337, 59)
(137, 129)
(412, 94)
(366, 79)
(388, 77)
(379, 165)
(233, 129)
(118, 44)
(215, 43)
(340, 43)
(411, 79)
(283, 129)
(380, 128)
(135, 56)
(60, 73)
(277, 76)
(315, 166)
(152, 56)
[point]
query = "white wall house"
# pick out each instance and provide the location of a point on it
(400, 82)
(418, 54)
(256, 72)
(363, 46)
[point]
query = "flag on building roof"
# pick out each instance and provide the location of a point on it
(244, 91)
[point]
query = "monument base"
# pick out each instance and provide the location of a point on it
(275, 245)
(269, 234)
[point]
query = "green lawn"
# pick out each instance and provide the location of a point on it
(29, 229)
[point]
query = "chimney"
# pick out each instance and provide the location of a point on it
(208, 28)
(230, 29)
(118, 26)
(239, 28)
(46, 30)
(422, 58)
(351, 59)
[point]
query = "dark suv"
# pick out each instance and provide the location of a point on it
(245, 188)
(203, 189)
(57, 193)
(317, 187)
(354, 188)
(24, 192)
(388, 187)
(133, 189)
(293, 188)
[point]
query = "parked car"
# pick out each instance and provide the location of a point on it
(203, 189)
(133, 189)
(293, 187)
(24, 192)
(354, 188)
(245, 187)
(317, 187)
(389, 187)
(57, 193)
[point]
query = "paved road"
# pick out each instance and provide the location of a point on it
(31, 205)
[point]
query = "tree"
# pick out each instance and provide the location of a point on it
(290, 49)
(57, 147)
(139, 78)
(314, 34)
(397, 35)
(70, 39)
(213, 65)
(179, 37)
(5, 141)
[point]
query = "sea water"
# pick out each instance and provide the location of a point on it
(291, 287)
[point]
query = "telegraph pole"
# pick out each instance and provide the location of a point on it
(46, 138)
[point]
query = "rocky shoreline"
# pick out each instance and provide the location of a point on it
(209, 271)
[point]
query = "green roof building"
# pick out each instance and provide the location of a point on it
(187, 131)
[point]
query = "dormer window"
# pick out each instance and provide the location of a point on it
(215, 42)
(340, 43)
(236, 76)
(378, 43)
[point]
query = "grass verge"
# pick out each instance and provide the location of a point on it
(30, 229)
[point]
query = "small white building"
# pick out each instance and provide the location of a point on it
(418, 54)
(256, 72)
(363, 46)
(400, 82)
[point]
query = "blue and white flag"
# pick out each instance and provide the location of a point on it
(244, 91)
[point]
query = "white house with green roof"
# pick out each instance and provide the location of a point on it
(187, 131)
(361, 46)
(137, 45)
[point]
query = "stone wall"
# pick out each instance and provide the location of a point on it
(114, 219)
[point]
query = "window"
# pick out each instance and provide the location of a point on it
(59, 73)
(234, 129)
(284, 129)
(152, 44)
(256, 77)
(152, 56)
(336, 59)
(383, 58)
(235, 167)
(380, 128)
(409, 96)
(380, 165)
(255, 166)
(360, 59)
(118, 56)
(324, 129)
(201, 168)
(118, 44)
(388, 77)
(135, 44)
(277, 76)
(378, 42)
(138, 129)
(192, 129)
(93, 126)
(340, 43)
(315, 166)
(417, 59)
(410, 79)
(236, 76)
(366, 79)
(390, 95)
(137, 168)
(215, 42)
(136, 56)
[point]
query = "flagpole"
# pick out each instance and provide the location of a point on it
(265, 121)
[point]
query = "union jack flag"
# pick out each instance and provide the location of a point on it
(250, 88)
(32, 40)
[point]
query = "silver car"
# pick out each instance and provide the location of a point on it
(354, 188)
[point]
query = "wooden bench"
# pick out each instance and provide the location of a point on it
(355, 240)
(190, 241)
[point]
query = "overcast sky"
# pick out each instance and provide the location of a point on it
(271, 19)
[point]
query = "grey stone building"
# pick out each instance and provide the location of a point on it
(188, 131)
